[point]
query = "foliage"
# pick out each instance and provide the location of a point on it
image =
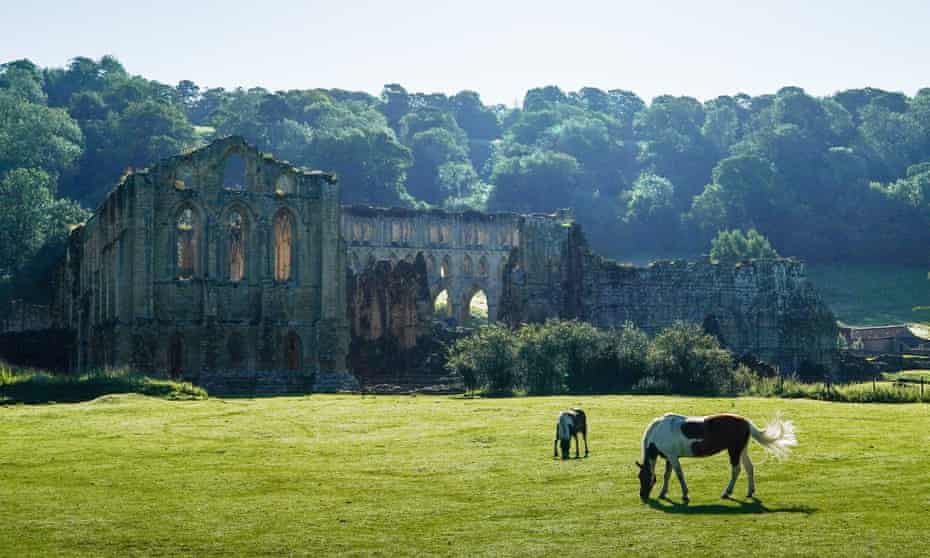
(487, 358)
(34, 386)
(736, 246)
(690, 361)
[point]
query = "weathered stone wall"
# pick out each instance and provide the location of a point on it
(464, 252)
(218, 307)
(764, 307)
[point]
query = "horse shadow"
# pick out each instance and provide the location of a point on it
(750, 506)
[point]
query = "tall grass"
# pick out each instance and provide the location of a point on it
(865, 392)
(37, 386)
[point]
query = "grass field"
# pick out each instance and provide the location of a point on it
(873, 294)
(128, 475)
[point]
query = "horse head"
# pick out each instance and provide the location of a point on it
(647, 479)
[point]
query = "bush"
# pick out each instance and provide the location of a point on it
(488, 358)
(691, 361)
(734, 246)
(36, 386)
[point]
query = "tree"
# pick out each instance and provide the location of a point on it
(30, 216)
(735, 246)
(35, 136)
(539, 182)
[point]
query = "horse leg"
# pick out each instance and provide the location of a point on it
(681, 478)
(577, 447)
(555, 444)
(584, 434)
(668, 473)
(747, 463)
(734, 471)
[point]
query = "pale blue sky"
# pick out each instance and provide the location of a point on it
(498, 48)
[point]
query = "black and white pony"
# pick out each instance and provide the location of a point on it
(675, 436)
(570, 424)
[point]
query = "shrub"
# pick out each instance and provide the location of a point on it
(490, 356)
(735, 246)
(690, 361)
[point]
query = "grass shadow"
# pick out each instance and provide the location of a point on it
(750, 506)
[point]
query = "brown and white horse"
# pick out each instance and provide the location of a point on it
(570, 424)
(675, 436)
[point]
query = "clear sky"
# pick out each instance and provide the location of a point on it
(499, 48)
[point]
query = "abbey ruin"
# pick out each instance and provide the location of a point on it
(234, 270)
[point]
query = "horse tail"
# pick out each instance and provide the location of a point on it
(778, 436)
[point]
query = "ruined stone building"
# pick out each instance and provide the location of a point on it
(219, 266)
(226, 267)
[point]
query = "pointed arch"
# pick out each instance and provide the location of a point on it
(476, 307)
(442, 305)
(483, 266)
(176, 356)
(187, 243)
(234, 172)
(467, 267)
(236, 351)
(445, 268)
(237, 227)
(292, 351)
(284, 245)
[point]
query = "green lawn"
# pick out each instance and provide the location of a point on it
(873, 294)
(128, 475)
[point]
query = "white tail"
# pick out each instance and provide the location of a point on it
(777, 438)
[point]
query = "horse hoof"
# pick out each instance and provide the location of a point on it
(725, 496)
(685, 500)
(663, 496)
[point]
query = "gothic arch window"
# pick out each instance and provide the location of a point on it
(235, 246)
(283, 245)
(292, 351)
(434, 234)
(467, 265)
(446, 234)
(285, 185)
(397, 234)
(187, 233)
(430, 263)
(445, 269)
(235, 348)
(176, 356)
(234, 172)
(483, 266)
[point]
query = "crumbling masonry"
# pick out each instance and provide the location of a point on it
(228, 268)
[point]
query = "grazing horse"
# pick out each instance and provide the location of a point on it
(674, 436)
(569, 425)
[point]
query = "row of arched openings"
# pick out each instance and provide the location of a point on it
(476, 306)
(236, 245)
(235, 348)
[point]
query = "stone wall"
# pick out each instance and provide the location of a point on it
(764, 307)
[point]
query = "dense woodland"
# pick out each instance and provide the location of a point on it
(842, 178)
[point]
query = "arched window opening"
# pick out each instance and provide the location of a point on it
(369, 232)
(184, 179)
(483, 237)
(234, 172)
(478, 308)
(176, 356)
(434, 235)
(446, 235)
(235, 348)
(187, 236)
(397, 234)
(441, 306)
(445, 269)
(357, 232)
(236, 247)
(467, 266)
(292, 351)
(285, 185)
(430, 264)
(283, 245)
(483, 266)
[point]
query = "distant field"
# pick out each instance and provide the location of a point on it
(873, 295)
(348, 475)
